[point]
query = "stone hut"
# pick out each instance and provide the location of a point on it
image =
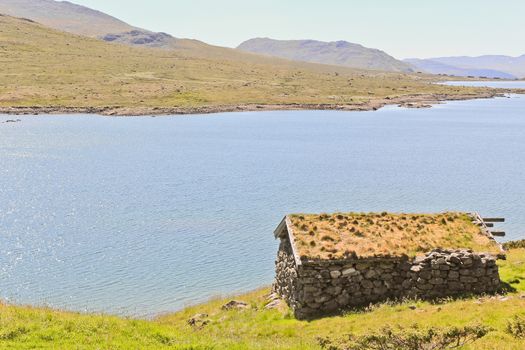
(331, 262)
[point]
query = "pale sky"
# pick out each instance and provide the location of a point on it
(402, 28)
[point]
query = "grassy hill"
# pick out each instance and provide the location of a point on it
(259, 328)
(65, 16)
(42, 67)
(76, 19)
(338, 53)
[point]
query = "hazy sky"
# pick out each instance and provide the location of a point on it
(403, 28)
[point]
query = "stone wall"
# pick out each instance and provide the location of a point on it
(286, 279)
(316, 288)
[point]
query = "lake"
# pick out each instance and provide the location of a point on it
(137, 216)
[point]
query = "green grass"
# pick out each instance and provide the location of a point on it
(258, 328)
(42, 67)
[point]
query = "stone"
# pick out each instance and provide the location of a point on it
(455, 286)
(350, 272)
(467, 261)
(275, 304)
(335, 274)
(425, 274)
(361, 266)
(453, 275)
(370, 274)
(437, 280)
(416, 268)
(468, 279)
(454, 259)
(367, 284)
(316, 287)
(479, 272)
(198, 320)
(343, 300)
(235, 305)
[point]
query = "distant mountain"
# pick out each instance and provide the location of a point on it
(435, 67)
(81, 20)
(340, 53)
(65, 16)
(493, 66)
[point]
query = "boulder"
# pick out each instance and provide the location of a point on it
(235, 305)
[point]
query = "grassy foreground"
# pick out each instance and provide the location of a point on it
(42, 68)
(259, 328)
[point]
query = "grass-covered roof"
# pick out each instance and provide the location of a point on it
(350, 235)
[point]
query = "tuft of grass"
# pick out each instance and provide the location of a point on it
(516, 327)
(514, 244)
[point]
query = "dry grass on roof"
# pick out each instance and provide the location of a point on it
(344, 235)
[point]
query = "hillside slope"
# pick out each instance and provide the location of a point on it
(81, 20)
(339, 53)
(41, 68)
(65, 16)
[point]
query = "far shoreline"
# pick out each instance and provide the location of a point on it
(408, 101)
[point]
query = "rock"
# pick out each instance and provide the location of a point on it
(468, 279)
(335, 274)
(467, 261)
(454, 259)
(453, 275)
(416, 268)
(349, 272)
(414, 105)
(275, 304)
(437, 280)
(370, 274)
(235, 305)
(198, 320)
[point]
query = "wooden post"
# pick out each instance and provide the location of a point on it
(498, 233)
(493, 219)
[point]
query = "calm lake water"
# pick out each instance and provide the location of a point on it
(137, 216)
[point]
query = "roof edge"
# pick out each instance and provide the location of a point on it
(286, 226)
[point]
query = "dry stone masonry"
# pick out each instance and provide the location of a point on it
(316, 287)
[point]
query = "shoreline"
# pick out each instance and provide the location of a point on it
(408, 101)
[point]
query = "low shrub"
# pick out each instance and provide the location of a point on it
(514, 244)
(409, 339)
(516, 327)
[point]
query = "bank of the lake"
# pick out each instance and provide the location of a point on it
(208, 326)
(422, 100)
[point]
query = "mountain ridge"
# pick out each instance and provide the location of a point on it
(493, 66)
(66, 16)
(338, 53)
